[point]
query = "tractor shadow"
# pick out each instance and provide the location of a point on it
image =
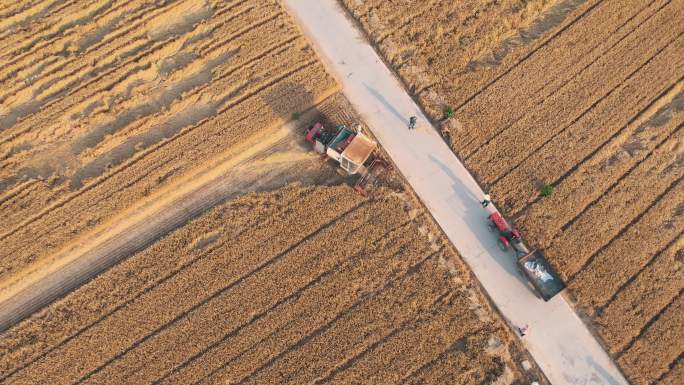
(475, 217)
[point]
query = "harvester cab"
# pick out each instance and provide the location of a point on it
(349, 147)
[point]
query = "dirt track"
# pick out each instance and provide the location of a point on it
(272, 159)
(106, 102)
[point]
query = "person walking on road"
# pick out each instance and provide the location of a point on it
(412, 122)
(487, 200)
(523, 330)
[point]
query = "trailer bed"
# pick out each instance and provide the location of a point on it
(540, 274)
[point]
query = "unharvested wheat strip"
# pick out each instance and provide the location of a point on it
(621, 205)
(556, 158)
(552, 66)
(264, 290)
(609, 165)
(675, 376)
(572, 102)
(659, 345)
(390, 256)
(407, 349)
(367, 320)
(194, 287)
(129, 279)
(599, 280)
(280, 61)
(643, 298)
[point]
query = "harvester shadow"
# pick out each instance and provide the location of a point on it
(298, 109)
(476, 218)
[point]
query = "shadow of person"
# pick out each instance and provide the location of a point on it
(475, 217)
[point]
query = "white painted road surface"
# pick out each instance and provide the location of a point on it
(557, 339)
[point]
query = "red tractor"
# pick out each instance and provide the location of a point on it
(508, 236)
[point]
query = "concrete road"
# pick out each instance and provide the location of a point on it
(557, 339)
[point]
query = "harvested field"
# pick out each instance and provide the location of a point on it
(359, 289)
(105, 103)
(588, 98)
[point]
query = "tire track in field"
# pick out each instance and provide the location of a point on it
(377, 270)
(658, 349)
(156, 280)
(675, 374)
(252, 275)
(573, 274)
(323, 331)
(262, 265)
(658, 149)
(639, 243)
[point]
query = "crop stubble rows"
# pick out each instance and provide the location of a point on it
(140, 93)
(594, 106)
(239, 294)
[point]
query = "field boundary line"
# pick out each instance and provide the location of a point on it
(552, 92)
(598, 101)
(617, 133)
(651, 260)
(648, 324)
(336, 268)
(274, 259)
(625, 228)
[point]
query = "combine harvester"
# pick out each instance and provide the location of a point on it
(532, 264)
(351, 149)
